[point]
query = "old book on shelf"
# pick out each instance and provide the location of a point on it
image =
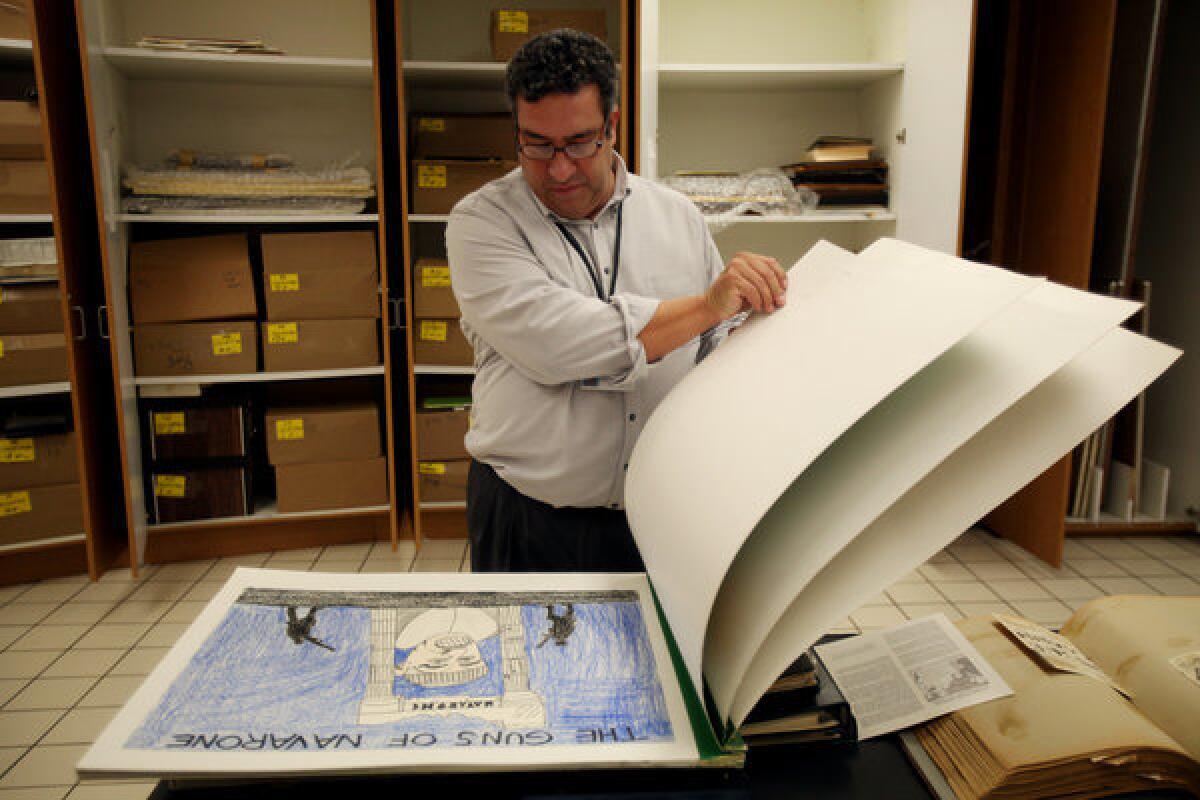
(1069, 733)
(840, 148)
(911, 393)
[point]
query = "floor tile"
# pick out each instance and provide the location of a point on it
(49, 593)
(97, 790)
(1123, 586)
(309, 554)
(386, 566)
(1074, 548)
(915, 593)
(348, 567)
(346, 552)
(45, 765)
(10, 593)
(9, 756)
(202, 592)
(164, 634)
(140, 661)
(25, 664)
(1040, 569)
(436, 565)
(10, 633)
(83, 663)
(50, 693)
(1051, 613)
(184, 612)
(23, 728)
(1096, 568)
(1159, 547)
(21, 613)
(404, 547)
(125, 575)
(80, 726)
(105, 593)
(959, 593)
(984, 609)
(872, 617)
(9, 688)
(187, 571)
(946, 572)
(134, 611)
(112, 690)
(114, 635)
(976, 553)
(35, 793)
(1142, 567)
(442, 548)
(49, 637)
(1111, 548)
(161, 592)
(1188, 566)
(1072, 588)
(1176, 586)
(286, 560)
(918, 610)
(227, 566)
(997, 572)
(1019, 590)
(73, 613)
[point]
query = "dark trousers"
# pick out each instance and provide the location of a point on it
(510, 532)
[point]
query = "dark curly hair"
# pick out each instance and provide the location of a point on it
(563, 60)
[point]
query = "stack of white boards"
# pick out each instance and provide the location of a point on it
(814, 458)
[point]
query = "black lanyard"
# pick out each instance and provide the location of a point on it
(592, 271)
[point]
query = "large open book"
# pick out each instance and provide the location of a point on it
(1062, 732)
(814, 458)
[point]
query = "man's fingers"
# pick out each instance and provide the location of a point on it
(749, 291)
(753, 273)
(768, 272)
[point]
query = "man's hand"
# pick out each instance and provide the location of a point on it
(749, 282)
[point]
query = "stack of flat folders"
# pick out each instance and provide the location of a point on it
(841, 171)
(803, 705)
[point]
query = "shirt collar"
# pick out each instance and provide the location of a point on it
(621, 189)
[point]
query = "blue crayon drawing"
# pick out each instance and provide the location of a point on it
(303, 670)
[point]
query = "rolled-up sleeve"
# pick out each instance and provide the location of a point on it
(551, 333)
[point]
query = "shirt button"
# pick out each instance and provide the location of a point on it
(632, 417)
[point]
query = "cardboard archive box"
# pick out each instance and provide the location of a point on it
(513, 28)
(33, 358)
(31, 308)
(14, 20)
(45, 460)
(322, 275)
(440, 183)
(200, 493)
(320, 344)
(443, 481)
(24, 187)
(432, 295)
(196, 348)
(193, 279)
(440, 434)
(299, 435)
(441, 342)
(20, 128)
(213, 431)
(40, 512)
(331, 484)
(463, 136)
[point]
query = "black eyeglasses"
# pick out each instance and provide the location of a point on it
(576, 151)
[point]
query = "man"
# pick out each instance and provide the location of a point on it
(587, 293)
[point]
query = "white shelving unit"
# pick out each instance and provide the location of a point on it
(736, 87)
(36, 389)
(316, 103)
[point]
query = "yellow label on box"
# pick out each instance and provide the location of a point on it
(435, 277)
(1, 294)
(227, 344)
(282, 333)
(433, 330)
(1, 348)
(513, 21)
(432, 124)
(170, 485)
(167, 422)
(431, 177)
(13, 451)
(431, 468)
(286, 429)
(14, 503)
(285, 282)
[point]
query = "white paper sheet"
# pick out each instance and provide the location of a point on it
(1011, 451)
(889, 450)
(252, 690)
(713, 458)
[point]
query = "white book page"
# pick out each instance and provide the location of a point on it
(737, 430)
(886, 452)
(294, 673)
(1011, 451)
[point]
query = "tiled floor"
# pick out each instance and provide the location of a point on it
(71, 651)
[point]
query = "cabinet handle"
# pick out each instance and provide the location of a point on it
(79, 337)
(102, 321)
(397, 321)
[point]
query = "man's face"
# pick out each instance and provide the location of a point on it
(571, 188)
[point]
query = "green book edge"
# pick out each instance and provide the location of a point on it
(708, 745)
(431, 403)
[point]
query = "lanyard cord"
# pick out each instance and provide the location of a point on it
(594, 273)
